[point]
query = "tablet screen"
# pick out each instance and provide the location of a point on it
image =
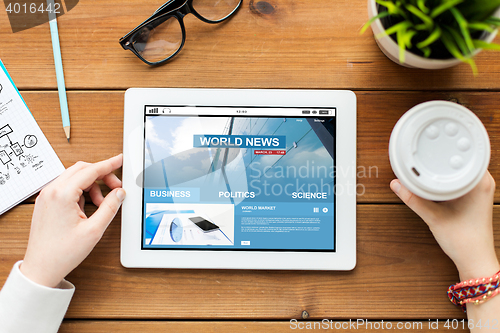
(262, 180)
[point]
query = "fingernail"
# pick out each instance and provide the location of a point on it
(121, 194)
(395, 186)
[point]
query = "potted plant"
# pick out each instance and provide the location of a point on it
(434, 34)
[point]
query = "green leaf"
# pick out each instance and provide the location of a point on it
(421, 27)
(429, 23)
(452, 48)
(392, 8)
(401, 45)
(427, 51)
(462, 23)
(479, 10)
(480, 26)
(481, 44)
(422, 7)
(401, 26)
(473, 66)
(459, 40)
(407, 36)
(434, 36)
(444, 7)
(373, 19)
(450, 45)
(493, 21)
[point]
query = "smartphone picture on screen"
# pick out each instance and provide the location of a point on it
(203, 224)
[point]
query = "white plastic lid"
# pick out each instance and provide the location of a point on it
(439, 150)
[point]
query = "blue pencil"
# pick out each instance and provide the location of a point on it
(63, 101)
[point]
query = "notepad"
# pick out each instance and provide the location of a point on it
(27, 160)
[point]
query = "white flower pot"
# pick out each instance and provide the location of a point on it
(391, 49)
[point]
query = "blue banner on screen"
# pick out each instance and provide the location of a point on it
(240, 141)
(246, 183)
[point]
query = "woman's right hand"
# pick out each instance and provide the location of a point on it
(463, 227)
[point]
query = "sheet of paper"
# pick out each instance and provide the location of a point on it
(27, 161)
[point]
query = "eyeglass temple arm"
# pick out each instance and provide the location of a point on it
(163, 6)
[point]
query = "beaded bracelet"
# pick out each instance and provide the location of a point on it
(474, 291)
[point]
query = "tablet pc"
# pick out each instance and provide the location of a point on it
(239, 179)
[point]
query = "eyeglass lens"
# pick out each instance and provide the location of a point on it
(214, 10)
(161, 38)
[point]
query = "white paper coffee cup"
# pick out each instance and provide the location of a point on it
(439, 150)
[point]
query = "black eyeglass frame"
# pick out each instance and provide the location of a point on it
(165, 13)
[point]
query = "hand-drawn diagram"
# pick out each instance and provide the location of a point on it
(14, 156)
(4, 106)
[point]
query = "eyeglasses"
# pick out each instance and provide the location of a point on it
(162, 36)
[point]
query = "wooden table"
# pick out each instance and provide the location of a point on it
(401, 274)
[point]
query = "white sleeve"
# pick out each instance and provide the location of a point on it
(26, 306)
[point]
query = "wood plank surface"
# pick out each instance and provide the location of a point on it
(97, 130)
(292, 44)
(401, 273)
(70, 326)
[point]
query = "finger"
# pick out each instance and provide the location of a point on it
(491, 181)
(69, 172)
(75, 168)
(96, 194)
(486, 185)
(81, 203)
(483, 192)
(424, 208)
(108, 209)
(86, 176)
(112, 181)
